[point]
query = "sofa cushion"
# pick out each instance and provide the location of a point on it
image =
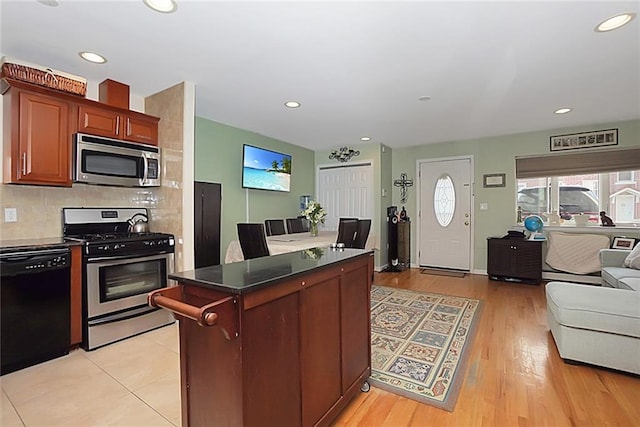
(595, 308)
(633, 259)
(611, 275)
(631, 283)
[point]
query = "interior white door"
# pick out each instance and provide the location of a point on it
(445, 214)
(345, 191)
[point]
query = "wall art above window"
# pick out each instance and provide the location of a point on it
(597, 138)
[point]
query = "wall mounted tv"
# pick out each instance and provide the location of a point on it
(265, 169)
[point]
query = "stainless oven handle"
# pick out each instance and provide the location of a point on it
(119, 317)
(128, 258)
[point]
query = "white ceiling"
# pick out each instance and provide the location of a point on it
(358, 68)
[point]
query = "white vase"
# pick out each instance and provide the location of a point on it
(581, 220)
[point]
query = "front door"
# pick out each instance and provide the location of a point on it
(445, 213)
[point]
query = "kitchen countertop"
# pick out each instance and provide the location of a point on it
(36, 244)
(250, 275)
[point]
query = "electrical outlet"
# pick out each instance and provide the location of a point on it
(10, 215)
(484, 206)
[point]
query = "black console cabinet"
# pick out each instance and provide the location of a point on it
(515, 260)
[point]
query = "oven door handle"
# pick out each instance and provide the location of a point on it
(225, 314)
(128, 257)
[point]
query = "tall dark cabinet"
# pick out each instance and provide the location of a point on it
(207, 208)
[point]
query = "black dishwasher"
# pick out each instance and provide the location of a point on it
(34, 307)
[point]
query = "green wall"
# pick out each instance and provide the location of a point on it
(218, 159)
(492, 155)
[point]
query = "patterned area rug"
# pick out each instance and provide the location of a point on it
(419, 343)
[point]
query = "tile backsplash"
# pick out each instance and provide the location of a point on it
(39, 208)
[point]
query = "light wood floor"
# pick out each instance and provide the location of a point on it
(514, 377)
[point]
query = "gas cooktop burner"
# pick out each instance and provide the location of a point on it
(97, 237)
(105, 231)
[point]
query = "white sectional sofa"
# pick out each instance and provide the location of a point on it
(613, 271)
(599, 325)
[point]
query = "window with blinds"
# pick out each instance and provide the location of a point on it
(581, 183)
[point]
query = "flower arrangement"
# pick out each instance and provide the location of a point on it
(313, 253)
(315, 213)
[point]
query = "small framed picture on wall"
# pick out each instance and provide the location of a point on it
(623, 243)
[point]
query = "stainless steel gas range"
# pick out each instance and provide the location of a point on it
(119, 270)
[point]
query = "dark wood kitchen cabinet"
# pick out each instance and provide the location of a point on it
(207, 207)
(37, 134)
(110, 122)
(293, 352)
(514, 260)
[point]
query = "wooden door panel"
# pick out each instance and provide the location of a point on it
(355, 299)
(272, 364)
(44, 140)
(140, 129)
(320, 349)
(97, 121)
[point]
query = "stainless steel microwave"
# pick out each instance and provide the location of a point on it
(108, 161)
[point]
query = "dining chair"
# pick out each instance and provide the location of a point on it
(274, 227)
(253, 240)
(294, 225)
(362, 233)
(305, 223)
(347, 228)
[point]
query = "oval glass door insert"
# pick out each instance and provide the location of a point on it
(444, 200)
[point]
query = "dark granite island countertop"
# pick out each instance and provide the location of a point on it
(250, 275)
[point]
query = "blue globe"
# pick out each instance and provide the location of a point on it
(533, 223)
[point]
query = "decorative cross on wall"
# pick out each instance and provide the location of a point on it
(403, 183)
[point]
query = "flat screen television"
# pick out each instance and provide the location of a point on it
(265, 169)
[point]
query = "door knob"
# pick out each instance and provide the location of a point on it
(466, 223)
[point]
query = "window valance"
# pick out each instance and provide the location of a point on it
(578, 164)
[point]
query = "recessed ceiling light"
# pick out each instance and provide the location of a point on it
(424, 98)
(93, 57)
(562, 111)
(52, 3)
(292, 104)
(365, 138)
(614, 22)
(163, 6)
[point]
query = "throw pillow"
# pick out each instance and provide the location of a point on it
(633, 259)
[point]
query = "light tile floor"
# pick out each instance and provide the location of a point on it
(135, 382)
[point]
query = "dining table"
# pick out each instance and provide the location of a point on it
(284, 243)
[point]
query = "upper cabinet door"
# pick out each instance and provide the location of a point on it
(40, 152)
(128, 126)
(98, 121)
(142, 129)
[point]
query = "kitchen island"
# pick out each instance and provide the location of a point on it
(282, 340)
